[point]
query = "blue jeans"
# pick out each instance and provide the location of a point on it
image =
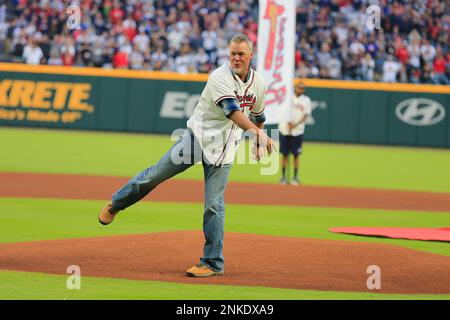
(184, 154)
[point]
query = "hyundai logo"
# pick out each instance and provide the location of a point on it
(420, 111)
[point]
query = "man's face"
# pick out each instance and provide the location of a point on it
(240, 57)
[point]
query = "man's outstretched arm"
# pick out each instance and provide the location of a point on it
(233, 112)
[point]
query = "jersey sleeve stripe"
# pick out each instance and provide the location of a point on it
(223, 97)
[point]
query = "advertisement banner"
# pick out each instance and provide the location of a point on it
(276, 47)
(46, 102)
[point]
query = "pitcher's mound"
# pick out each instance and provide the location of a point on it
(254, 260)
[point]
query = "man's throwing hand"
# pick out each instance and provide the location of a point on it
(262, 144)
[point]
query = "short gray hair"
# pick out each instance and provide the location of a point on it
(242, 38)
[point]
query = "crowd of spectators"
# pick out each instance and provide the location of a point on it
(191, 36)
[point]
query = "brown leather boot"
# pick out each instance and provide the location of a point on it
(201, 270)
(107, 215)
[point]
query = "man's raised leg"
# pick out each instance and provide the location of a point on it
(182, 155)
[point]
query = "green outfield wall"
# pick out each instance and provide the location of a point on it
(139, 101)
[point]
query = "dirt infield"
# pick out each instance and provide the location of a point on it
(254, 260)
(29, 185)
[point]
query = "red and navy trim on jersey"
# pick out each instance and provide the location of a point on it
(224, 97)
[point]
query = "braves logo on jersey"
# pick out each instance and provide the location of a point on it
(246, 101)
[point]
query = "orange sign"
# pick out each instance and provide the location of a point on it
(43, 101)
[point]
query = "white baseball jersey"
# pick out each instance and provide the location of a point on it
(300, 106)
(219, 136)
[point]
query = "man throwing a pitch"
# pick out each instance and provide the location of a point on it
(232, 101)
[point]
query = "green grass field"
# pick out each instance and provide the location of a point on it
(97, 153)
(93, 153)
